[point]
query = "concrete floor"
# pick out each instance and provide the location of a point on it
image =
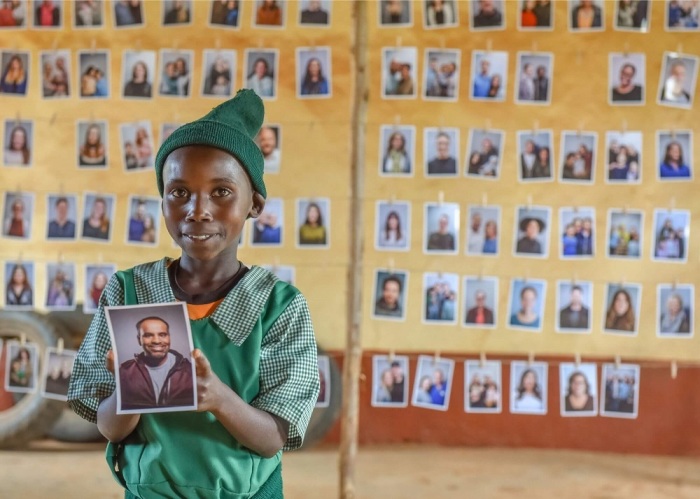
(56, 471)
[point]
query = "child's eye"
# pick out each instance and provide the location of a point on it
(221, 192)
(178, 192)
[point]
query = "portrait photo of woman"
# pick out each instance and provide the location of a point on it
(314, 70)
(138, 69)
(60, 294)
(94, 67)
(269, 14)
(675, 307)
(96, 278)
(15, 73)
(97, 224)
(18, 143)
(622, 309)
(674, 149)
(218, 71)
(440, 14)
(393, 226)
(17, 221)
(19, 290)
(526, 307)
(396, 157)
(261, 71)
(312, 231)
(528, 383)
(578, 389)
(92, 137)
(22, 368)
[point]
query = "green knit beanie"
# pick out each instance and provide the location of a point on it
(231, 127)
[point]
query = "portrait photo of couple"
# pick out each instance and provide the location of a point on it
(482, 387)
(433, 383)
(390, 377)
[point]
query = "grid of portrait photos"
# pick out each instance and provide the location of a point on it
(526, 392)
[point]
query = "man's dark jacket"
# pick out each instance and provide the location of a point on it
(137, 387)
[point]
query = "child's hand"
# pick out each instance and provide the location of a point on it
(210, 389)
(109, 361)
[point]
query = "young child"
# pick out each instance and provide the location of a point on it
(255, 352)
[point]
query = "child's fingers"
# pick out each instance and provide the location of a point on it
(201, 363)
(109, 361)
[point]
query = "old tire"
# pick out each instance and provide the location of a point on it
(323, 418)
(32, 415)
(72, 428)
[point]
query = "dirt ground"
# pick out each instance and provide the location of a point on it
(55, 470)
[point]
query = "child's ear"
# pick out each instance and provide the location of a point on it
(258, 205)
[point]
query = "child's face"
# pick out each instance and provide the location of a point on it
(207, 198)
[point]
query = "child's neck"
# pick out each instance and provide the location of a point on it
(198, 276)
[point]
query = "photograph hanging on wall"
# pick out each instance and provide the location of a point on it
(98, 216)
(578, 157)
(177, 12)
(682, 16)
(441, 74)
(528, 387)
(21, 367)
(482, 387)
(625, 233)
(675, 305)
(622, 306)
(143, 220)
(397, 150)
(89, 14)
(390, 296)
(137, 145)
(58, 367)
(484, 153)
(20, 280)
(16, 16)
(96, 278)
(586, 15)
(138, 74)
(260, 72)
(679, 75)
(671, 235)
(619, 389)
(395, 13)
(574, 306)
(577, 232)
(92, 144)
(399, 72)
(315, 13)
(324, 377)
(440, 298)
(487, 15)
(55, 74)
(624, 161)
(175, 73)
(489, 75)
(47, 15)
(526, 307)
(15, 71)
(18, 217)
(128, 14)
(61, 215)
(483, 225)
(534, 81)
(218, 73)
(441, 228)
(314, 73)
(390, 377)
(392, 226)
(536, 15)
(440, 151)
(535, 152)
(225, 14)
(532, 229)
(313, 218)
(632, 16)
(442, 14)
(60, 284)
(268, 228)
(480, 302)
(578, 389)
(270, 15)
(269, 140)
(94, 74)
(18, 143)
(627, 79)
(674, 153)
(433, 382)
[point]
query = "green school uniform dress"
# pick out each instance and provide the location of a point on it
(259, 341)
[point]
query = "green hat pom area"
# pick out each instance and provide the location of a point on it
(231, 127)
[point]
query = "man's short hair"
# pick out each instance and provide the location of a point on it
(576, 287)
(394, 279)
(61, 199)
(631, 66)
(150, 318)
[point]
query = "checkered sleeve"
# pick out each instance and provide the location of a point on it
(90, 381)
(289, 382)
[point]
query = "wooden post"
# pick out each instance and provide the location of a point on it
(353, 348)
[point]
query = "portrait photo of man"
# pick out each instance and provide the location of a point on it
(389, 298)
(573, 305)
(152, 357)
(441, 227)
(441, 149)
(480, 301)
(61, 216)
(268, 140)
